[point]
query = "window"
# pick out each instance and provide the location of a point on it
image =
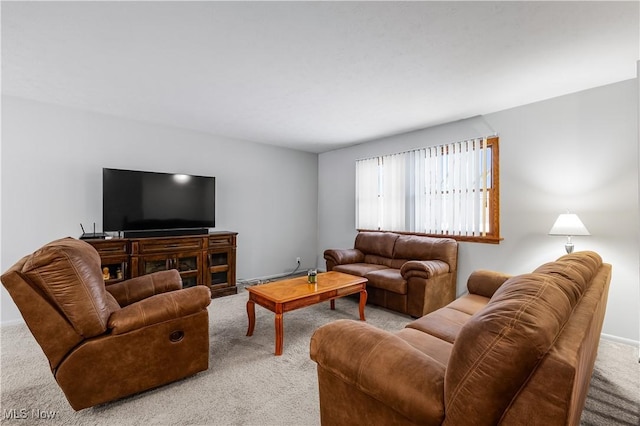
(450, 190)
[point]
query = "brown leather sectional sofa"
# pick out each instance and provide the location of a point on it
(514, 350)
(410, 274)
(104, 343)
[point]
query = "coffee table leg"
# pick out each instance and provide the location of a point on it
(279, 333)
(363, 301)
(251, 312)
(333, 304)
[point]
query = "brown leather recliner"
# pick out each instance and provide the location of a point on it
(107, 342)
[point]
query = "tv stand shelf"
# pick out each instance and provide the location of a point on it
(201, 260)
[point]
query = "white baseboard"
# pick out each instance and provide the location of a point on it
(617, 339)
(12, 322)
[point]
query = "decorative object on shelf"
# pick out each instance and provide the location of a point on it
(105, 273)
(568, 224)
(119, 274)
(311, 276)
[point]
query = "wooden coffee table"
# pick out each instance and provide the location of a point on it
(287, 295)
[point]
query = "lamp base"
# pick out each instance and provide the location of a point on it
(569, 247)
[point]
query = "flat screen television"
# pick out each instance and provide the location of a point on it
(140, 203)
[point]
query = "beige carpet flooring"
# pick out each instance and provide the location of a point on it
(246, 384)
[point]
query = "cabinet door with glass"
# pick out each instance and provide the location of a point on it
(219, 273)
(187, 263)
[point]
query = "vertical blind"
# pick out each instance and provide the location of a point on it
(367, 192)
(442, 189)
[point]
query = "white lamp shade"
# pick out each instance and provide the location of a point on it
(568, 224)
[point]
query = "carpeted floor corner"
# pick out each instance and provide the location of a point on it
(247, 385)
(614, 392)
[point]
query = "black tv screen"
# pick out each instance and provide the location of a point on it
(149, 201)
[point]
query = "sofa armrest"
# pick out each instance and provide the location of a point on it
(382, 365)
(485, 283)
(342, 257)
(159, 308)
(423, 268)
(139, 288)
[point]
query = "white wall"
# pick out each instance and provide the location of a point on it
(576, 152)
(52, 159)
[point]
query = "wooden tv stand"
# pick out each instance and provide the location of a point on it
(201, 259)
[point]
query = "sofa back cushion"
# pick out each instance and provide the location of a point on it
(418, 247)
(68, 272)
(579, 267)
(376, 244)
(500, 346)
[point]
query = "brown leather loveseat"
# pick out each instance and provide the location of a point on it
(514, 351)
(105, 343)
(410, 274)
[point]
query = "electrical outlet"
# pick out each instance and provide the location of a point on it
(298, 260)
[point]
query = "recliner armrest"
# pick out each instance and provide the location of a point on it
(159, 308)
(343, 256)
(383, 366)
(424, 268)
(485, 283)
(139, 288)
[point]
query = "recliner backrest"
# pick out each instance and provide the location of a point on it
(51, 329)
(68, 272)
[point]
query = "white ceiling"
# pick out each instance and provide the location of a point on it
(312, 76)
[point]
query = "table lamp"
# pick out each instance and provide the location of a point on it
(568, 224)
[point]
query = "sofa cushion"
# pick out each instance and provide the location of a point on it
(359, 269)
(374, 259)
(498, 348)
(445, 323)
(469, 303)
(429, 345)
(387, 279)
(377, 243)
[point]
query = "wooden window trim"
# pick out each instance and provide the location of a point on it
(494, 208)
